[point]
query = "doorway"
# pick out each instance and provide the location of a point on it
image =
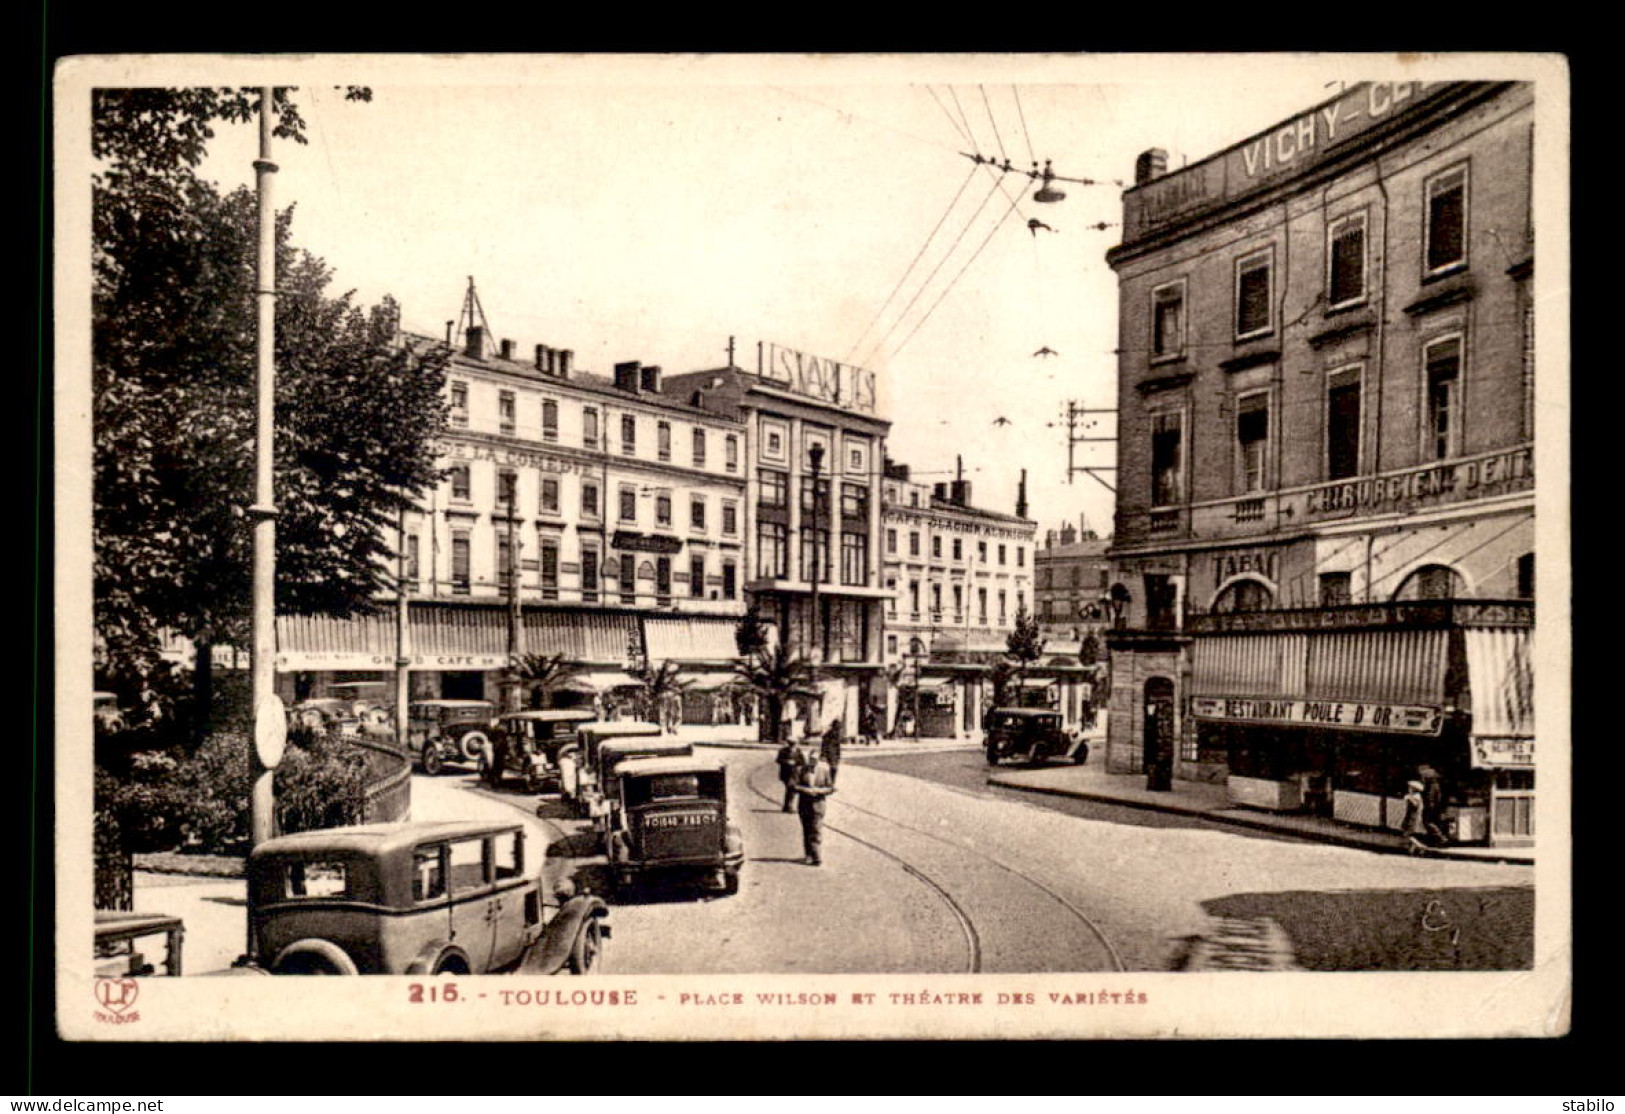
(1158, 734)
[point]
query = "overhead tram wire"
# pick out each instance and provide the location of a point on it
(963, 134)
(910, 269)
(875, 349)
(949, 288)
(1016, 92)
(993, 124)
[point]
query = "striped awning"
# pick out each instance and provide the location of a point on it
(1249, 665)
(1378, 666)
(1501, 683)
(692, 638)
(581, 636)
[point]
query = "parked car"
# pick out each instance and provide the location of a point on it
(673, 817)
(578, 761)
(325, 713)
(1031, 735)
(441, 731)
(603, 797)
(527, 744)
(448, 897)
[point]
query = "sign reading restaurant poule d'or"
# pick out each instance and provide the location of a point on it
(1282, 150)
(843, 385)
(1417, 719)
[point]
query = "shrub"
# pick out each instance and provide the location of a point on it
(321, 783)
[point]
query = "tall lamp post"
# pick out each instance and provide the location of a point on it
(270, 718)
(815, 454)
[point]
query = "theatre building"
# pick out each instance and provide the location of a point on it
(813, 445)
(593, 517)
(1323, 562)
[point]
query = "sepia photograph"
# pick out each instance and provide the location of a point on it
(759, 547)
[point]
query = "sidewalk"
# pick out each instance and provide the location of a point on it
(1212, 802)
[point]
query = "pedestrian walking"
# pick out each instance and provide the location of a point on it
(1432, 803)
(789, 759)
(1412, 825)
(830, 750)
(814, 783)
(866, 727)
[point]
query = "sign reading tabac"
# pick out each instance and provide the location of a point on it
(1416, 719)
(843, 385)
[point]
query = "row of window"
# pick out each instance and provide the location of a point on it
(773, 555)
(1347, 267)
(958, 613)
(1441, 427)
(508, 425)
(626, 571)
(958, 548)
(1051, 576)
(773, 492)
(548, 503)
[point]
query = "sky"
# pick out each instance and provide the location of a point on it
(652, 207)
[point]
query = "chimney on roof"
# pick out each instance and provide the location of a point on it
(1069, 534)
(650, 379)
(961, 493)
(626, 376)
(564, 357)
(1151, 164)
(541, 360)
(507, 349)
(1021, 496)
(939, 491)
(474, 348)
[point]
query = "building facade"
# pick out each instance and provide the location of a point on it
(812, 450)
(1071, 577)
(1323, 562)
(957, 576)
(597, 518)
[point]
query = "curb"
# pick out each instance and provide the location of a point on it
(1334, 838)
(851, 750)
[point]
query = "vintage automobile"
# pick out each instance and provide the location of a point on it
(673, 817)
(430, 898)
(1031, 735)
(602, 799)
(527, 744)
(325, 713)
(441, 731)
(578, 761)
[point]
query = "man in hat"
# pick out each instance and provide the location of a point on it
(814, 783)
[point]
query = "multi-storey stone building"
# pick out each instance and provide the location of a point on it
(1323, 563)
(598, 518)
(1071, 575)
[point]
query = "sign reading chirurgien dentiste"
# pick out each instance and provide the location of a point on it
(817, 377)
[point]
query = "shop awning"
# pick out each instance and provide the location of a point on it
(585, 636)
(1249, 665)
(707, 682)
(596, 681)
(1501, 683)
(691, 638)
(1377, 666)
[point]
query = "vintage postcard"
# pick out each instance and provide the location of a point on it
(777, 547)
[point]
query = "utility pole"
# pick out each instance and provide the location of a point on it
(1074, 413)
(270, 718)
(403, 660)
(815, 454)
(515, 618)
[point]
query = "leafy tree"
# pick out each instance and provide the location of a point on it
(777, 675)
(540, 674)
(1025, 643)
(659, 682)
(173, 360)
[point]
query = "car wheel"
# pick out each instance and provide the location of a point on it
(432, 762)
(473, 743)
(992, 757)
(1081, 755)
(730, 884)
(313, 957)
(587, 955)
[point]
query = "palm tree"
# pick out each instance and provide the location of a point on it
(777, 675)
(540, 674)
(659, 682)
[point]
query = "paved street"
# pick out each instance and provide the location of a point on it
(932, 874)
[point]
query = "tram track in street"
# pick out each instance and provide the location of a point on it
(967, 924)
